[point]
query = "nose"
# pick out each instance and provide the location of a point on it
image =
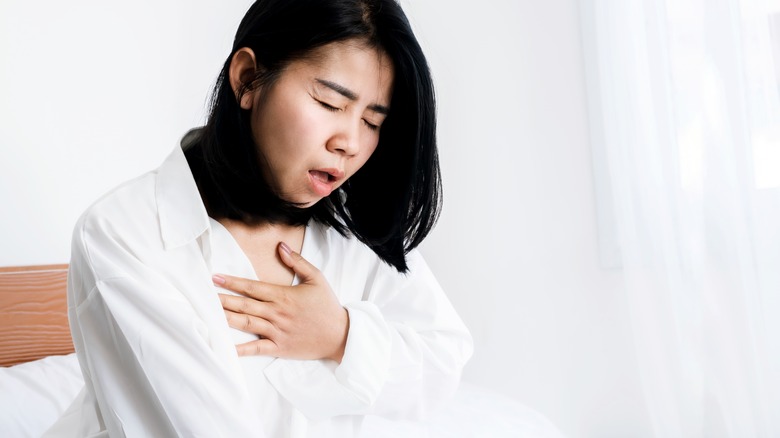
(345, 140)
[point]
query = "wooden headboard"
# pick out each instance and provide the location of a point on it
(33, 313)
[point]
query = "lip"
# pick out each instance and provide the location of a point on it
(337, 174)
(321, 186)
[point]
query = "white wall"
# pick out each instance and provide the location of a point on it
(517, 246)
(92, 95)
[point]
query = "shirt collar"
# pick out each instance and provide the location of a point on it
(183, 216)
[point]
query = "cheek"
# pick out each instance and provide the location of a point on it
(298, 124)
(365, 153)
(371, 144)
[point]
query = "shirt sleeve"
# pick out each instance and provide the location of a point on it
(145, 352)
(405, 351)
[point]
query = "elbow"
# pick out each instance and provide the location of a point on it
(428, 386)
(419, 399)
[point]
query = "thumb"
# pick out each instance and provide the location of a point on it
(305, 270)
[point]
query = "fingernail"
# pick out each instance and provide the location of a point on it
(218, 279)
(285, 248)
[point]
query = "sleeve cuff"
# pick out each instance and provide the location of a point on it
(321, 389)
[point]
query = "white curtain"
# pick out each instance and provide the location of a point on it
(685, 118)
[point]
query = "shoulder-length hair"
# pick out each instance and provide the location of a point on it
(394, 200)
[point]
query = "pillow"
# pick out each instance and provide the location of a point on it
(34, 394)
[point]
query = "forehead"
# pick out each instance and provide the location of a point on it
(365, 70)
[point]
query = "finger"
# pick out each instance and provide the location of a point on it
(260, 347)
(250, 324)
(247, 306)
(305, 270)
(245, 286)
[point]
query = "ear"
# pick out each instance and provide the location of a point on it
(242, 71)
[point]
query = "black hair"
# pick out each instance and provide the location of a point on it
(394, 200)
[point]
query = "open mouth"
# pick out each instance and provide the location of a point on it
(320, 175)
(325, 180)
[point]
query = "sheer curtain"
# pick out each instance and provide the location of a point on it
(685, 121)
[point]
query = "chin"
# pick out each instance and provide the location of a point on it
(305, 203)
(303, 199)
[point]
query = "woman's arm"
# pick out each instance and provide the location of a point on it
(151, 363)
(404, 351)
(429, 344)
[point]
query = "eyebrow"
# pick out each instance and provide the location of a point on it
(351, 95)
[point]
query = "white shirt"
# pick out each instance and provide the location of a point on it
(159, 359)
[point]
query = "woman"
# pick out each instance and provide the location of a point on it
(297, 208)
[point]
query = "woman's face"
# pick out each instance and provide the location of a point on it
(318, 123)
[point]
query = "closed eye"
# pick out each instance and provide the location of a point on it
(334, 109)
(328, 106)
(371, 126)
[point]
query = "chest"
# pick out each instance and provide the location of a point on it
(260, 245)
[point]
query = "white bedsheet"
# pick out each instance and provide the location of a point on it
(473, 412)
(33, 395)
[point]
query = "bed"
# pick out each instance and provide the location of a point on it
(40, 375)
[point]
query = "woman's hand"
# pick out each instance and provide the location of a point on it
(305, 321)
